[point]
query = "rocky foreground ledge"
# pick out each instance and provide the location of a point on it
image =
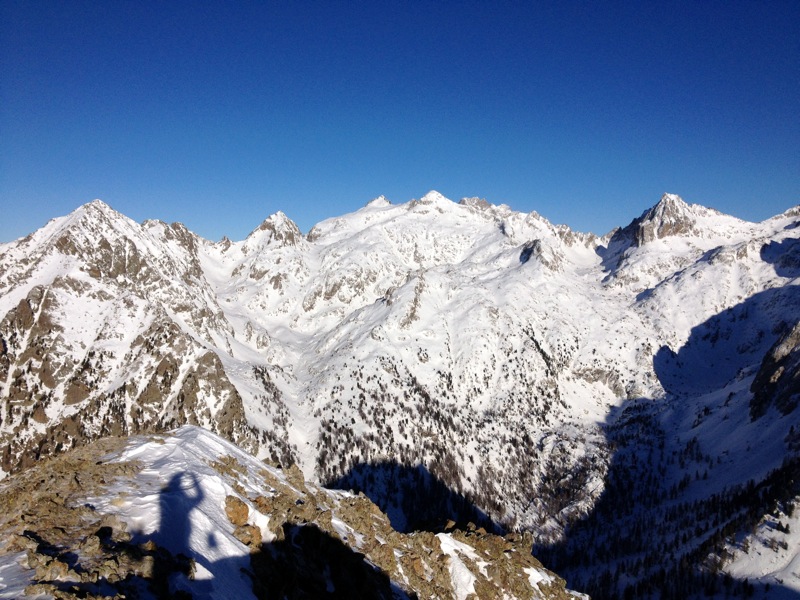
(189, 515)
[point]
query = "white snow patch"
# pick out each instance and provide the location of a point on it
(461, 577)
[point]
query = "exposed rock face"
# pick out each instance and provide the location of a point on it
(670, 217)
(541, 254)
(141, 360)
(300, 541)
(777, 382)
(278, 228)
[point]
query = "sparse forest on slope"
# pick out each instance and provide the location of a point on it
(630, 399)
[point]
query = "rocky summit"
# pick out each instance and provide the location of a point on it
(188, 515)
(627, 400)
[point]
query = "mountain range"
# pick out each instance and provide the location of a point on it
(629, 400)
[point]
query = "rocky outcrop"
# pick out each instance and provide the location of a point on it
(777, 382)
(670, 217)
(303, 541)
(183, 383)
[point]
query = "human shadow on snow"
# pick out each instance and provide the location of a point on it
(304, 563)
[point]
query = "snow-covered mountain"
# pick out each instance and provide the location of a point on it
(451, 360)
(188, 515)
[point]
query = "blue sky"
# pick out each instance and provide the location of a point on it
(217, 114)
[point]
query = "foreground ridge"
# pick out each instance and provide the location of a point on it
(189, 513)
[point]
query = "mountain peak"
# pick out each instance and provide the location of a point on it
(475, 202)
(431, 200)
(670, 217)
(379, 202)
(277, 227)
(670, 206)
(672, 199)
(94, 208)
(433, 197)
(94, 219)
(97, 204)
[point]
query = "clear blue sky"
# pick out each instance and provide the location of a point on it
(217, 114)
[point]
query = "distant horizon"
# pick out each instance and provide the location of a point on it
(305, 230)
(217, 115)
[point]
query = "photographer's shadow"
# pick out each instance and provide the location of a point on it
(306, 563)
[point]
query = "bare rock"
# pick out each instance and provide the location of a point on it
(236, 510)
(249, 535)
(778, 379)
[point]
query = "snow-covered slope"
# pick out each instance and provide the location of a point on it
(189, 513)
(460, 357)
